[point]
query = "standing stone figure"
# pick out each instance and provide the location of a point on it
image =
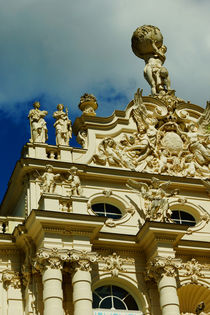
(147, 44)
(62, 126)
(74, 182)
(48, 180)
(38, 124)
(157, 199)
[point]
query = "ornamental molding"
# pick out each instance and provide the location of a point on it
(11, 278)
(159, 267)
(115, 264)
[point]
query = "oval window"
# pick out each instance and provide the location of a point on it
(107, 210)
(182, 217)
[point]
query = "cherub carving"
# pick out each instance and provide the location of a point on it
(48, 180)
(156, 197)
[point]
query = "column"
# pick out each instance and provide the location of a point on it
(164, 271)
(50, 263)
(81, 281)
(52, 290)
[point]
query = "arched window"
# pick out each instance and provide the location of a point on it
(107, 210)
(112, 297)
(182, 217)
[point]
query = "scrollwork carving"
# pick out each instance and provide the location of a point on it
(193, 270)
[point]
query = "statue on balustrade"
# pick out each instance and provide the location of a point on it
(38, 124)
(62, 126)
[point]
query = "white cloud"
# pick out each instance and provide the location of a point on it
(64, 48)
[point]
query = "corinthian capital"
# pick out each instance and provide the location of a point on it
(162, 266)
(11, 278)
(50, 258)
(81, 260)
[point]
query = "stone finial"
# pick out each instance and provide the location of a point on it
(147, 44)
(88, 104)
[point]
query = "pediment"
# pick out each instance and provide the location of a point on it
(155, 134)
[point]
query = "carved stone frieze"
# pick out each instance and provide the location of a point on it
(162, 266)
(115, 264)
(11, 278)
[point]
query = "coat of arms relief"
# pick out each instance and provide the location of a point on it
(171, 138)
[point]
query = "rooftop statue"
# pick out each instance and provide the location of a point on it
(38, 124)
(147, 44)
(62, 126)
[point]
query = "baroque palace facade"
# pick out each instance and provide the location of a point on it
(120, 225)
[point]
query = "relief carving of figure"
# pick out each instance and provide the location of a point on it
(48, 180)
(156, 198)
(74, 182)
(38, 124)
(62, 126)
(110, 152)
(199, 145)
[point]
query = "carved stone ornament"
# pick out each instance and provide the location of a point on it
(82, 260)
(114, 263)
(169, 139)
(62, 126)
(74, 182)
(49, 180)
(55, 258)
(50, 258)
(156, 199)
(193, 270)
(11, 278)
(147, 44)
(38, 125)
(88, 104)
(26, 274)
(162, 266)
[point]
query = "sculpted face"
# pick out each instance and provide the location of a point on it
(36, 105)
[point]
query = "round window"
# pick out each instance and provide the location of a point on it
(182, 217)
(114, 298)
(107, 210)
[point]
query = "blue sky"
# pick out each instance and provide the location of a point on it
(55, 51)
